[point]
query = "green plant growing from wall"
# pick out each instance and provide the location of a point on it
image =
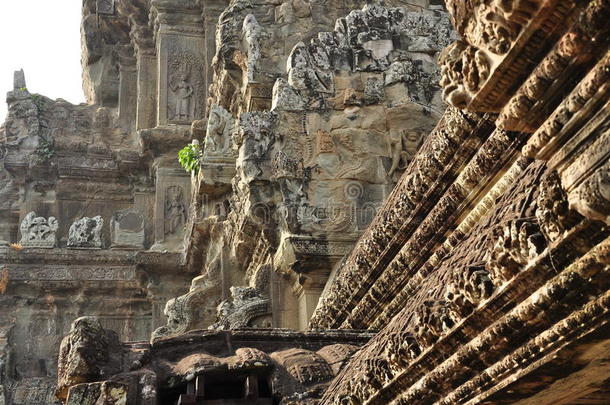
(189, 157)
(45, 150)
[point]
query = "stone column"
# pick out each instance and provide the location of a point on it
(308, 290)
(128, 87)
(146, 116)
(211, 12)
(181, 84)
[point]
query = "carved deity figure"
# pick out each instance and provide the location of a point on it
(38, 231)
(404, 147)
(183, 93)
(175, 210)
(220, 123)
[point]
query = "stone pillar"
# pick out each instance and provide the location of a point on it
(172, 197)
(211, 12)
(146, 116)
(181, 85)
(128, 87)
(308, 290)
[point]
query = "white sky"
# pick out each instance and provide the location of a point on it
(43, 38)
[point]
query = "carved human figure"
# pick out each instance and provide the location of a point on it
(175, 210)
(404, 146)
(183, 92)
(220, 123)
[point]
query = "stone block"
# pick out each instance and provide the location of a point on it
(127, 229)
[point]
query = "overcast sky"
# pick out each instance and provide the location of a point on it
(43, 38)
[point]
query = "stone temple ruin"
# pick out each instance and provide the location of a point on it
(398, 202)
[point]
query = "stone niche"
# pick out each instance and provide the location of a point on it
(172, 200)
(127, 230)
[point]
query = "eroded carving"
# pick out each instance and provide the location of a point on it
(220, 128)
(515, 244)
(86, 233)
(38, 232)
(431, 321)
(471, 286)
(464, 69)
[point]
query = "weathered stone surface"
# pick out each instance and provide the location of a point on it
(331, 189)
(87, 354)
(283, 364)
(85, 233)
(110, 393)
(38, 232)
(127, 230)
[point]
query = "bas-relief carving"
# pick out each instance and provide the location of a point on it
(219, 131)
(516, 243)
(464, 69)
(404, 145)
(86, 233)
(38, 232)
(185, 93)
(492, 24)
(175, 210)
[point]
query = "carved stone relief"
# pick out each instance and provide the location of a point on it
(175, 210)
(185, 98)
(464, 69)
(219, 131)
(252, 32)
(516, 244)
(38, 232)
(86, 233)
